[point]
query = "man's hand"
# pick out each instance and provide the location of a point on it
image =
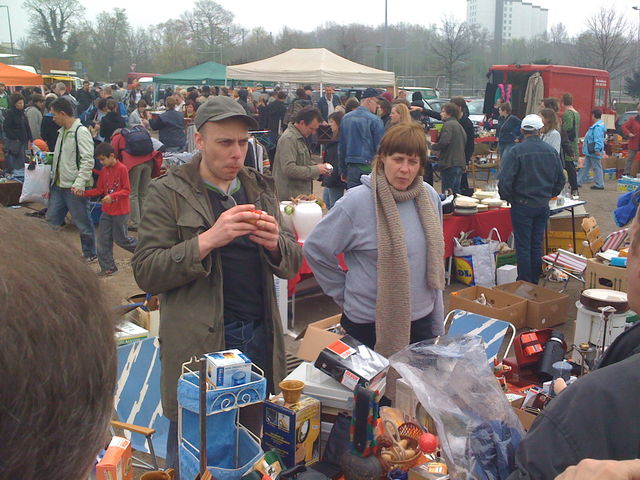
(589, 469)
(322, 168)
(231, 224)
(107, 199)
(77, 192)
(267, 234)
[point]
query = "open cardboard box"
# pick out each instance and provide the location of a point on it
(525, 417)
(501, 305)
(316, 336)
(148, 319)
(545, 307)
(600, 275)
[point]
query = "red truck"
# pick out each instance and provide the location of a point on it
(589, 87)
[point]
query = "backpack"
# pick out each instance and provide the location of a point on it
(293, 109)
(137, 141)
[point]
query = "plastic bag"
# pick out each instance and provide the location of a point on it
(478, 430)
(36, 183)
(476, 264)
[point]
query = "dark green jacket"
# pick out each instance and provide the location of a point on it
(166, 262)
(451, 145)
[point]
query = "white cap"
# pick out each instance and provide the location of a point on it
(531, 122)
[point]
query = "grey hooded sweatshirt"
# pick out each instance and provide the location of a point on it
(350, 228)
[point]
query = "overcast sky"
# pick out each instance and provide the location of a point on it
(273, 15)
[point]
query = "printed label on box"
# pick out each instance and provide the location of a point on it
(349, 380)
(342, 349)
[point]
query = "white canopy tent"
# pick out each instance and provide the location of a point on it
(311, 65)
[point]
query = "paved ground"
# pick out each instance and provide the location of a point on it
(316, 306)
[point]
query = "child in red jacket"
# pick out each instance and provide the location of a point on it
(113, 186)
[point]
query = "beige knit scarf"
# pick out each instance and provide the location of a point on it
(393, 302)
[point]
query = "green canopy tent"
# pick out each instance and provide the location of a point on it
(208, 73)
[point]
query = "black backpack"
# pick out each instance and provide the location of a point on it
(137, 141)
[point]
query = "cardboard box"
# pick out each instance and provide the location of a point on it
(525, 417)
(316, 337)
(563, 224)
(351, 363)
(609, 162)
(116, 463)
(228, 368)
(501, 305)
(148, 317)
(600, 275)
(129, 332)
(292, 430)
(545, 307)
(564, 240)
(10, 193)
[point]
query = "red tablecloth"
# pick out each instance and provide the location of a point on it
(485, 140)
(305, 272)
(480, 223)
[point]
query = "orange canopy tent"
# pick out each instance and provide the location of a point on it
(13, 77)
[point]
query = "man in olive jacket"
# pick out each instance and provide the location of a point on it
(293, 169)
(451, 147)
(211, 257)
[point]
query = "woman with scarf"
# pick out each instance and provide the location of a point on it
(387, 301)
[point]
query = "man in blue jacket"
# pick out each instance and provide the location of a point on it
(360, 133)
(530, 174)
(592, 148)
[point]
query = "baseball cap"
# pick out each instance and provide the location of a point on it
(308, 87)
(531, 122)
(220, 108)
(369, 92)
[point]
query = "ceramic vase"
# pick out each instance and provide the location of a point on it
(305, 217)
(287, 220)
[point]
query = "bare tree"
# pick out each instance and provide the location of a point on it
(52, 21)
(605, 43)
(558, 34)
(452, 48)
(208, 25)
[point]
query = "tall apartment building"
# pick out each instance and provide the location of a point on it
(508, 19)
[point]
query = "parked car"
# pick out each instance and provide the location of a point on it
(475, 112)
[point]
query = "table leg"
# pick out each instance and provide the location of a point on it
(573, 230)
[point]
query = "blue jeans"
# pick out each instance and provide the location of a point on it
(251, 339)
(354, 173)
(598, 174)
(61, 201)
(451, 178)
(528, 229)
(331, 196)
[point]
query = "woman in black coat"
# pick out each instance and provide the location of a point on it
(18, 134)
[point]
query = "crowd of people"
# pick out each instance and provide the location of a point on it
(210, 235)
(209, 243)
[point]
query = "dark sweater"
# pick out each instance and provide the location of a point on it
(16, 125)
(110, 123)
(171, 127)
(49, 131)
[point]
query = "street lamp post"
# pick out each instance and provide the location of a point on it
(386, 38)
(9, 20)
(637, 7)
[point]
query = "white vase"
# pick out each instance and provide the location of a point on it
(305, 217)
(287, 220)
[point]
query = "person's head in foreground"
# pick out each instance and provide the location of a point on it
(57, 355)
(401, 155)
